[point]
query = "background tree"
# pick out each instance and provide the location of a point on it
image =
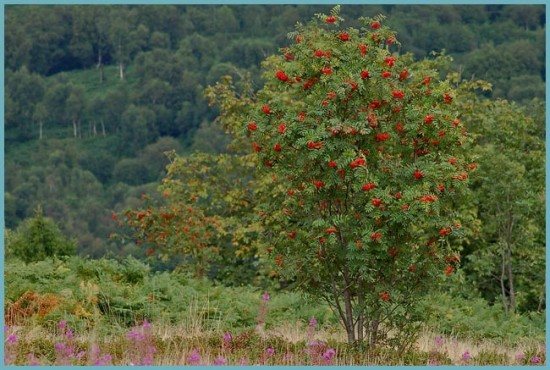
(39, 238)
(506, 259)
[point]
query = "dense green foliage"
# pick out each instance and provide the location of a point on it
(120, 294)
(38, 238)
(109, 296)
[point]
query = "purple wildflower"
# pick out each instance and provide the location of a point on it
(220, 361)
(270, 351)
(146, 324)
(433, 362)
(62, 325)
(60, 346)
(466, 356)
(227, 337)
(244, 361)
(329, 354)
(194, 357)
(32, 360)
(439, 341)
(104, 360)
(12, 338)
(135, 335)
(520, 356)
(313, 322)
(536, 360)
(69, 334)
(265, 297)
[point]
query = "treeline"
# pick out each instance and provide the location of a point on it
(169, 54)
(96, 94)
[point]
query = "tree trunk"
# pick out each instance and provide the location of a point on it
(40, 124)
(350, 328)
(75, 132)
(373, 332)
(100, 66)
(511, 290)
(102, 127)
(94, 129)
(361, 316)
(121, 70)
(502, 287)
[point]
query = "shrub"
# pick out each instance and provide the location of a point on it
(38, 238)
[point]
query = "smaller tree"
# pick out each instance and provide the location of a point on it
(38, 238)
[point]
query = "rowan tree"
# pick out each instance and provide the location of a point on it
(372, 156)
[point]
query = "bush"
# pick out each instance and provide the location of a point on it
(38, 238)
(474, 318)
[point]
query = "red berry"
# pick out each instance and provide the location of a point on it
(375, 25)
(330, 19)
(418, 174)
(377, 202)
(382, 136)
(368, 186)
(344, 36)
(281, 75)
(398, 94)
(326, 70)
(376, 236)
(314, 144)
(252, 126)
(282, 128)
(445, 231)
(358, 162)
(331, 230)
(318, 184)
(277, 147)
(365, 74)
(399, 127)
(390, 61)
